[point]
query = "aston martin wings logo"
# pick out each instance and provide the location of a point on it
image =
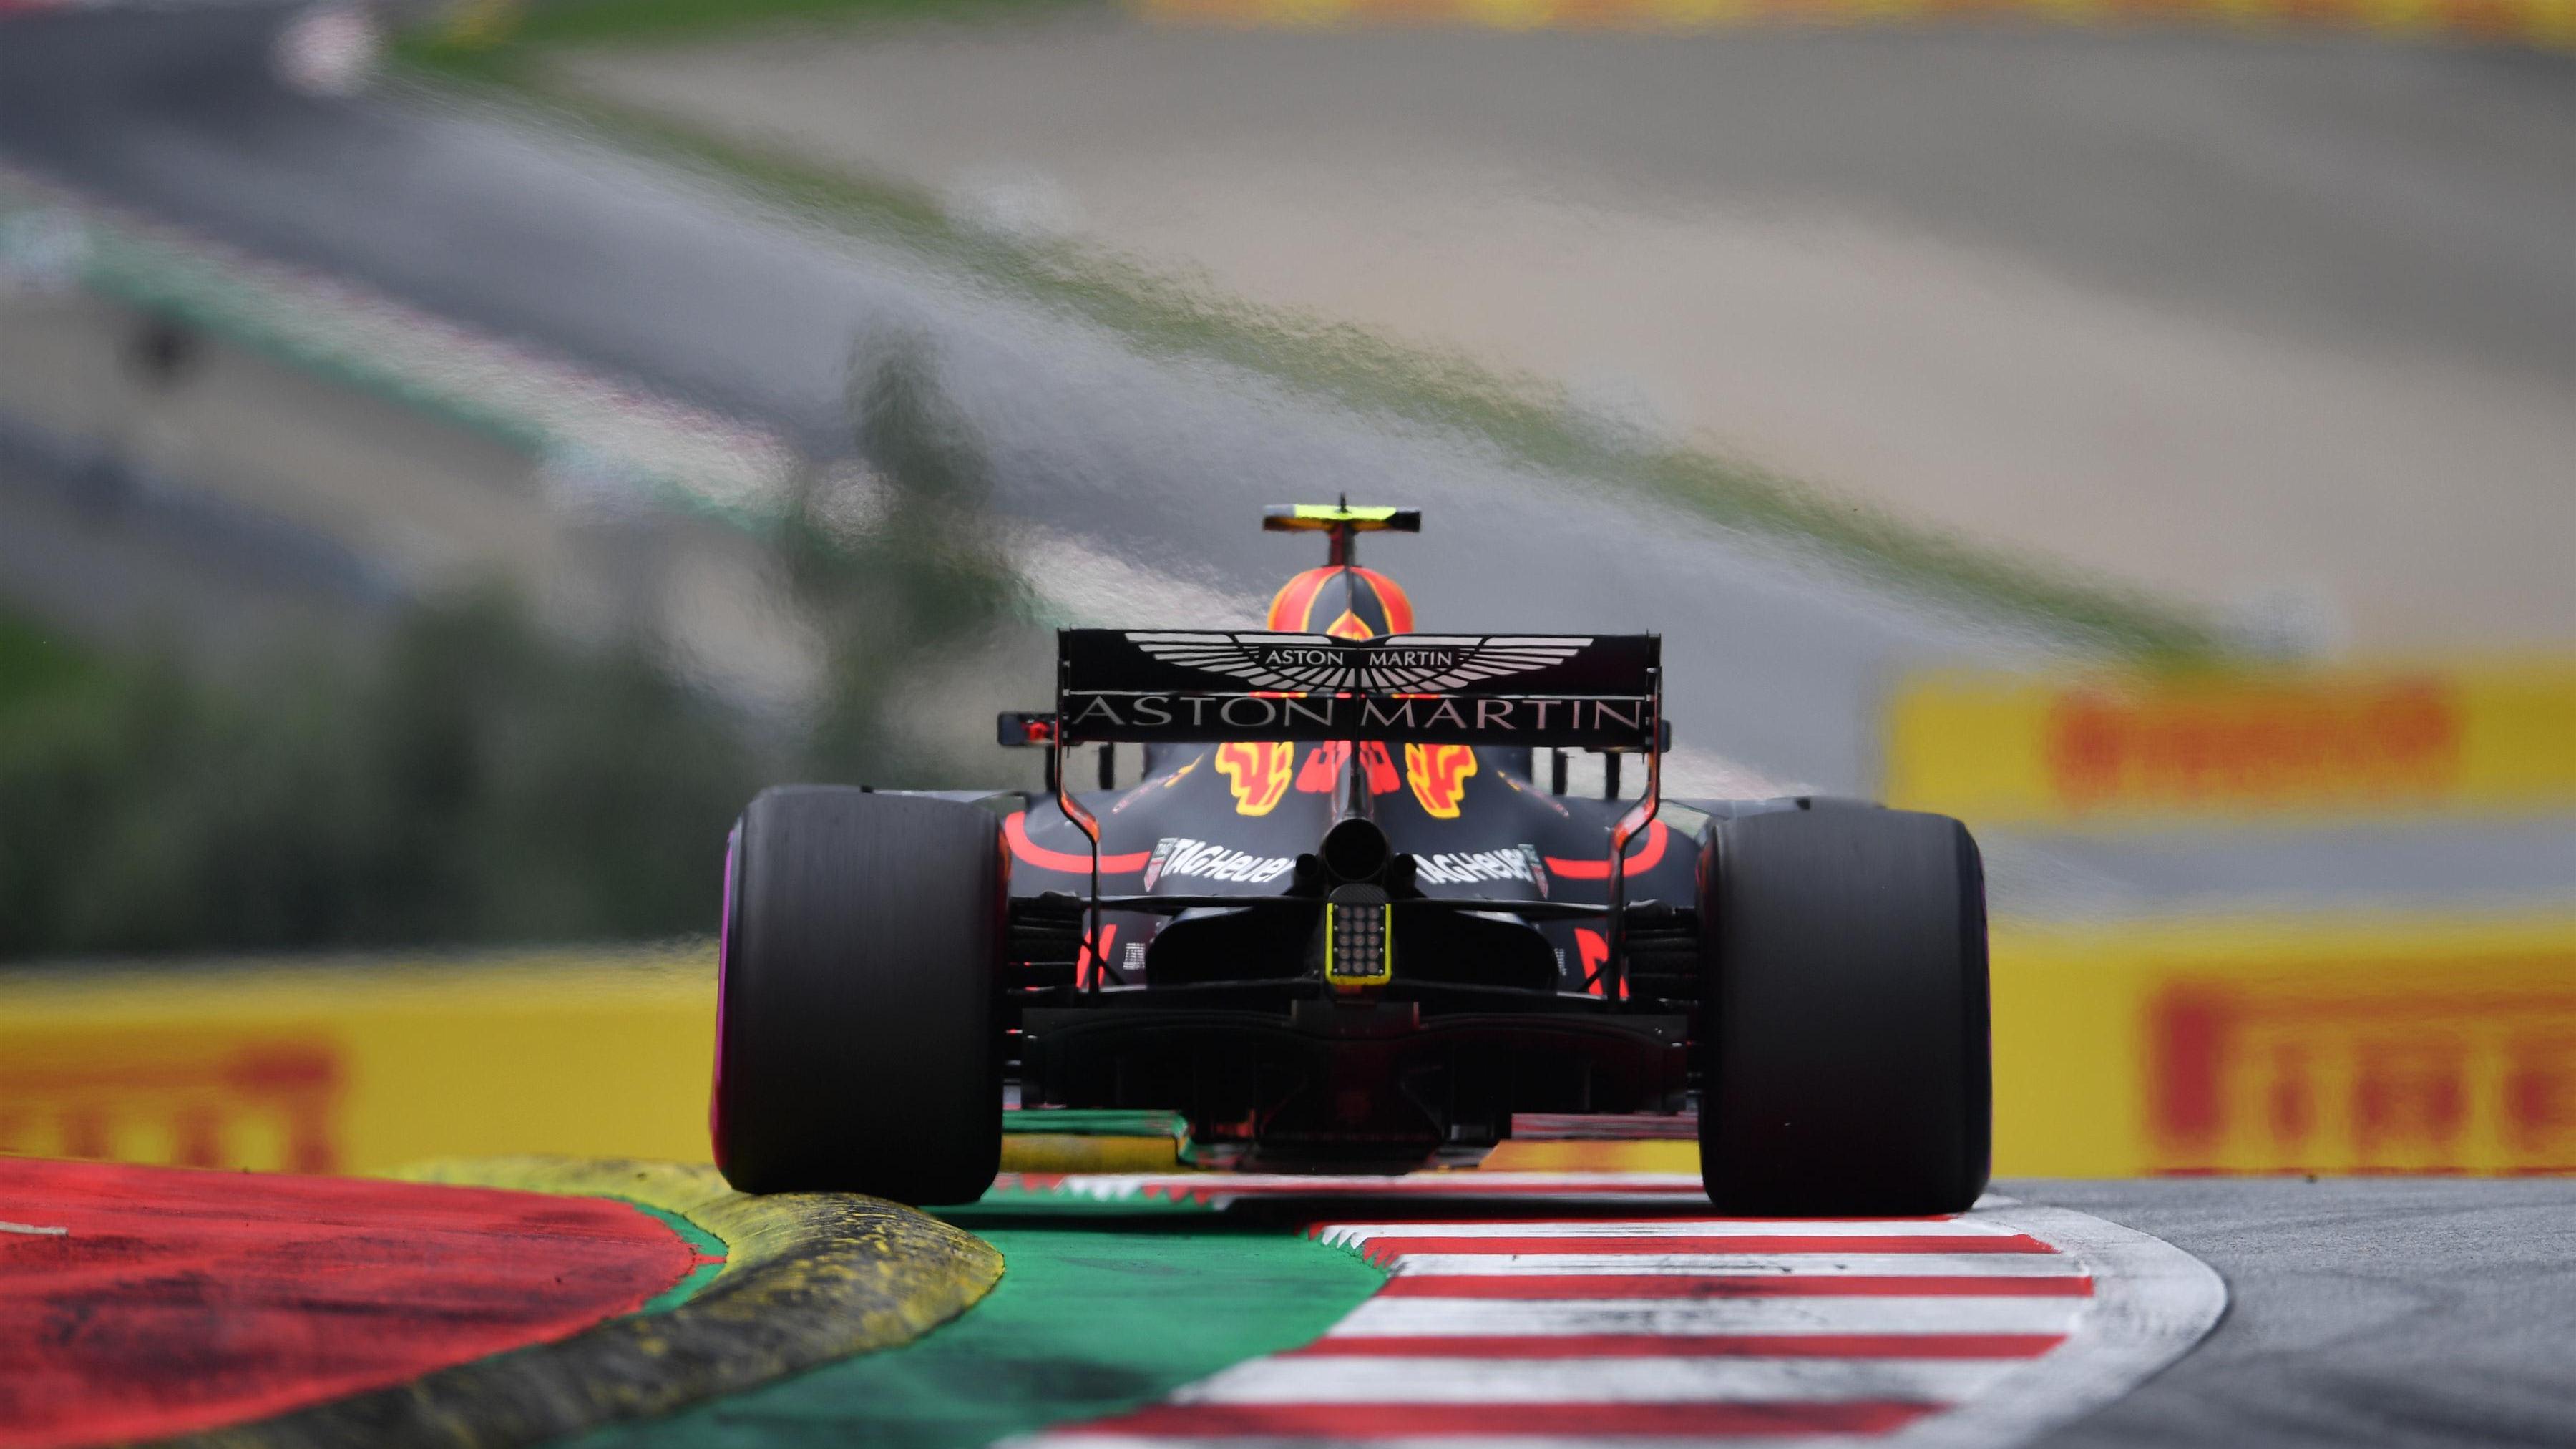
(1405, 664)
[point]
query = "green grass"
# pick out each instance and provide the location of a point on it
(35, 661)
(475, 781)
(591, 22)
(1528, 421)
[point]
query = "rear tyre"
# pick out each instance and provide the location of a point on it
(857, 1030)
(1844, 1055)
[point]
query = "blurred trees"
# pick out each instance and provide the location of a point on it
(895, 559)
(481, 779)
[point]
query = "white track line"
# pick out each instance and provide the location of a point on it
(1414, 1317)
(1349, 1234)
(1700, 1380)
(1081, 1438)
(1703, 1265)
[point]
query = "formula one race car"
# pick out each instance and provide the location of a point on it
(1340, 923)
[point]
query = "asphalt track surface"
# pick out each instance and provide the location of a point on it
(2067, 292)
(2361, 1311)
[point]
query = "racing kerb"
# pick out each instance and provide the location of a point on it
(1544, 1309)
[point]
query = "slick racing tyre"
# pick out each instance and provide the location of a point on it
(857, 1040)
(1844, 1059)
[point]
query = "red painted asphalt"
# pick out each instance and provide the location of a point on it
(174, 1300)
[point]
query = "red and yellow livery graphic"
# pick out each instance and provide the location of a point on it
(1438, 774)
(1259, 774)
(1347, 602)
(1257, 771)
(1325, 761)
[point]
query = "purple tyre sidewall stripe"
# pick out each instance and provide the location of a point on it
(724, 958)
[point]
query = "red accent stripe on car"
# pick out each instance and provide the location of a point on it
(1643, 859)
(1015, 830)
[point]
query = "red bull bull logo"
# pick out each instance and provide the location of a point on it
(1257, 771)
(1325, 761)
(1438, 775)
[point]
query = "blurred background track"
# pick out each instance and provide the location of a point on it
(2275, 328)
(2214, 316)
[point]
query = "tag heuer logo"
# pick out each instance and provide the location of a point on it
(1409, 664)
(1177, 857)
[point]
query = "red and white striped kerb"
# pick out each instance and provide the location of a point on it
(1583, 1328)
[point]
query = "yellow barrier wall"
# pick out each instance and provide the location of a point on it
(2001, 749)
(2336, 1045)
(2271, 1045)
(365, 1065)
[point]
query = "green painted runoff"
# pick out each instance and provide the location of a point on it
(1096, 1313)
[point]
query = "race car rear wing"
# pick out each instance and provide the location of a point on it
(1592, 691)
(1588, 691)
